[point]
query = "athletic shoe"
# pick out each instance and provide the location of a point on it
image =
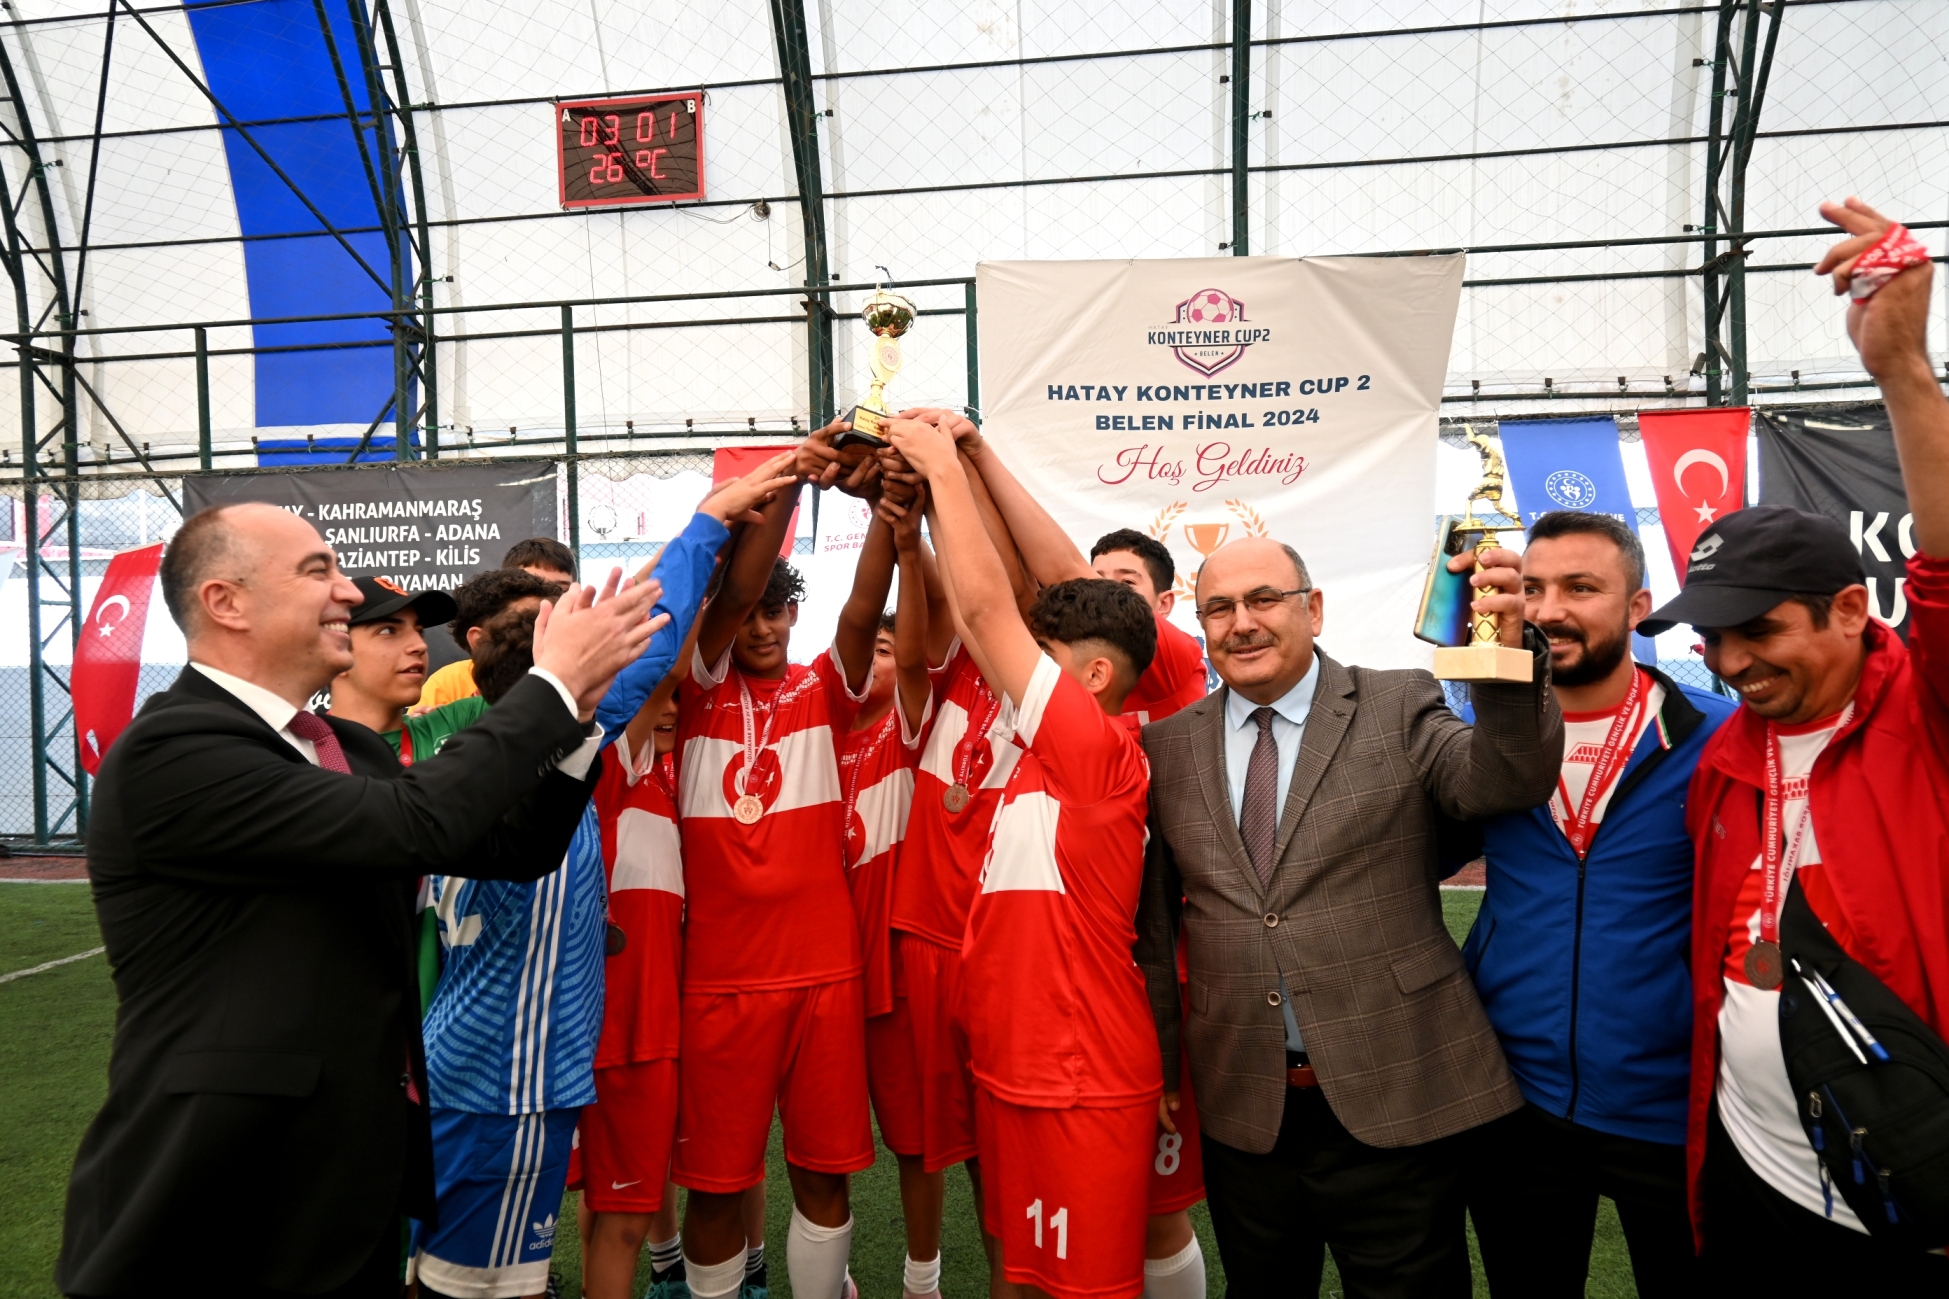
(750, 1291)
(669, 1287)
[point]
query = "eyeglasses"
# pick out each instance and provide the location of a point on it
(1262, 601)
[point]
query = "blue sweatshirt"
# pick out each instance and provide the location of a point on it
(685, 571)
(1583, 967)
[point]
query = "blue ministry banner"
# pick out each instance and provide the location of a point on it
(1570, 464)
(1566, 464)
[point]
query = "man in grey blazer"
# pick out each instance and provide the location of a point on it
(1337, 1046)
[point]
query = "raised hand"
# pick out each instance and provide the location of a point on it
(964, 430)
(925, 445)
(1500, 590)
(816, 461)
(1891, 328)
(585, 642)
(738, 500)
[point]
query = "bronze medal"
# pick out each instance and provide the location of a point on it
(615, 940)
(956, 797)
(1763, 968)
(748, 809)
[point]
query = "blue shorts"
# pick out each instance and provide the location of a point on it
(499, 1178)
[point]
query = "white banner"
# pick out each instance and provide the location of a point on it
(1206, 399)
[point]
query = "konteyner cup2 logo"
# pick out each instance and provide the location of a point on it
(1210, 331)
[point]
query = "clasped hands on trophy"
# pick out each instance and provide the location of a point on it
(880, 475)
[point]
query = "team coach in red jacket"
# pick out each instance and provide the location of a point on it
(1834, 773)
(253, 867)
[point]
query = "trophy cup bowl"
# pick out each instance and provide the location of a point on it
(889, 316)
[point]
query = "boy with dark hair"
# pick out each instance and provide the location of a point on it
(1177, 675)
(1059, 1032)
(545, 557)
(773, 1005)
(388, 655)
(476, 600)
(512, 1032)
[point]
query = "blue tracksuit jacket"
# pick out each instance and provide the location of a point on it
(1584, 967)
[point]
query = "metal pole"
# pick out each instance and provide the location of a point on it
(31, 552)
(974, 359)
(1714, 163)
(568, 435)
(203, 399)
(1742, 133)
(1241, 117)
(801, 117)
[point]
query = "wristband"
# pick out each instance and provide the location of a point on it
(1895, 252)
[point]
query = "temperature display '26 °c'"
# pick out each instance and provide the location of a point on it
(648, 150)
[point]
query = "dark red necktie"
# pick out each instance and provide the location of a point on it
(310, 726)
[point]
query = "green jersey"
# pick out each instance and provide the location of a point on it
(420, 738)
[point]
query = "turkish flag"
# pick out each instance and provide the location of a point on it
(108, 657)
(1698, 469)
(735, 462)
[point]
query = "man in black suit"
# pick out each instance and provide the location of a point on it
(254, 868)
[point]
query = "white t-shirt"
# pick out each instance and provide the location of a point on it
(1583, 740)
(1756, 1102)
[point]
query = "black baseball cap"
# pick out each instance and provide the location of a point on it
(384, 598)
(1755, 558)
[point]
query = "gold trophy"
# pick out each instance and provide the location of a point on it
(889, 316)
(1468, 648)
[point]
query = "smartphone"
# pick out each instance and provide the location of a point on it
(1445, 597)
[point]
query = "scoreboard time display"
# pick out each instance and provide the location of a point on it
(630, 150)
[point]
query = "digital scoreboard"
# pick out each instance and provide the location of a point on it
(647, 150)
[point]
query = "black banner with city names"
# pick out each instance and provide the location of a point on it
(421, 526)
(1840, 461)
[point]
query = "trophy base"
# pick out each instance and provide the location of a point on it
(1483, 663)
(867, 431)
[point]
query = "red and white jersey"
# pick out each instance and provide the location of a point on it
(876, 777)
(940, 862)
(768, 901)
(1054, 1003)
(1174, 679)
(643, 862)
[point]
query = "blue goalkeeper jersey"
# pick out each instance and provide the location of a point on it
(518, 1010)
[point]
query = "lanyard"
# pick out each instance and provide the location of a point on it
(663, 770)
(861, 755)
(1611, 760)
(1779, 867)
(753, 749)
(405, 744)
(964, 752)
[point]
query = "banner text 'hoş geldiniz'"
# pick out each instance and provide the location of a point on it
(1207, 399)
(420, 526)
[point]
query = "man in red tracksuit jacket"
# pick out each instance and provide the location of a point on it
(1842, 748)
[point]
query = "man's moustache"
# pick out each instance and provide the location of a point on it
(1259, 640)
(1567, 633)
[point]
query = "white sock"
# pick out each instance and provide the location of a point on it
(922, 1278)
(715, 1280)
(815, 1257)
(754, 1258)
(665, 1254)
(1181, 1276)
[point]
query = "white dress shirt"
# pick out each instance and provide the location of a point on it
(277, 713)
(1241, 737)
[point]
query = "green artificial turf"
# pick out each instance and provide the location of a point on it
(54, 1038)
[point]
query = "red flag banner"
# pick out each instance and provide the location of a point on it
(735, 462)
(1698, 469)
(108, 657)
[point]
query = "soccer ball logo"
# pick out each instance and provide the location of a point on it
(1210, 307)
(1206, 309)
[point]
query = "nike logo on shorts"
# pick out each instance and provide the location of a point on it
(617, 1186)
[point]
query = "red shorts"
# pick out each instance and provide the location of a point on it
(893, 1075)
(1177, 1165)
(1065, 1191)
(799, 1051)
(623, 1141)
(939, 1049)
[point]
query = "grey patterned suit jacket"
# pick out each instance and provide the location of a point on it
(1352, 917)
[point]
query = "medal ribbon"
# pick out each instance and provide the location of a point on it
(405, 745)
(1778, 866)
(964, 752)
(860, 756)
(763, 742)
(1611, 760)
